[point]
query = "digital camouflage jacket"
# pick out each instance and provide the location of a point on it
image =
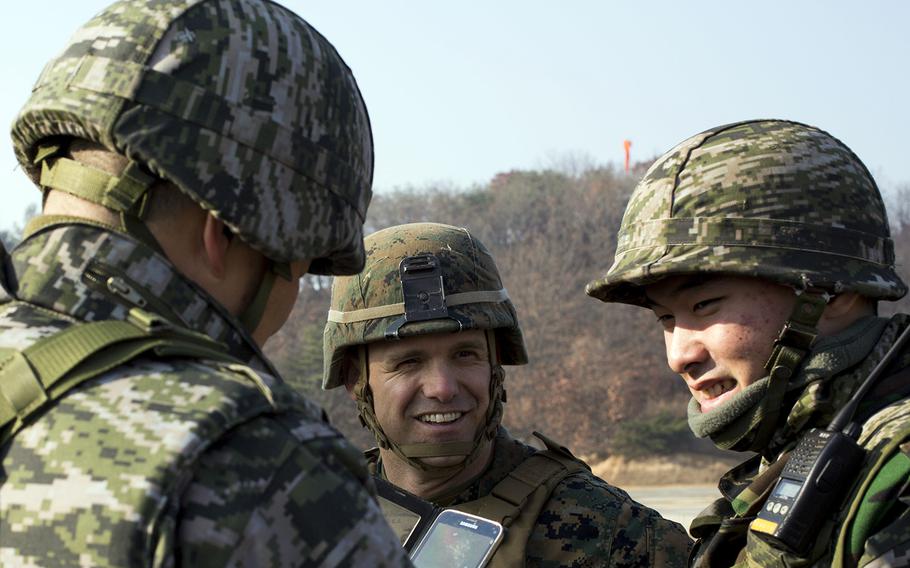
(585, 523)
(166, 460)
(871, 527)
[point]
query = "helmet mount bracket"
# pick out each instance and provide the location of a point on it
(424, 294)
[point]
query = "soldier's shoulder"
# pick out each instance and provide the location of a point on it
(584, 489)
(584, 507)
(888, 425)
(265, 492)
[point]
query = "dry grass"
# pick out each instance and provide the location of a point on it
(677, 469)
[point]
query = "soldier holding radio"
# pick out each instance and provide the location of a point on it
(763, 248)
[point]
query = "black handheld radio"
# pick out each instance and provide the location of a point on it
(818, 475)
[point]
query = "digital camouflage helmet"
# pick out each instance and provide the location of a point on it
(768, 198)
(419, 279)
(772, 199)
(241, 104)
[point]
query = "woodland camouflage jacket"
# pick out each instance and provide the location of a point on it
(168, 461)
(586, 522)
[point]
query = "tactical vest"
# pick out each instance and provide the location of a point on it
(723, 529)
(39, 383)
(515, 502)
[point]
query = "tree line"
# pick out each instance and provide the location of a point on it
(598, 380)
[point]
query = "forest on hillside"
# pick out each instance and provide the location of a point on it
(597, 381)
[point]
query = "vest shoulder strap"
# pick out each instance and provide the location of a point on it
(511, 497)
(32, 378)
(518, 499)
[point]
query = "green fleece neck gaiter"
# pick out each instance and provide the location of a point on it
(733, 425)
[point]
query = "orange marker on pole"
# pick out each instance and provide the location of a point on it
(627, 144)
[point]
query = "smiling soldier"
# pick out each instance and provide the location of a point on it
(763, 248)
(419, 338)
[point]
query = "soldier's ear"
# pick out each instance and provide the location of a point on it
(215, 243)
(843, 310)
(350, 374)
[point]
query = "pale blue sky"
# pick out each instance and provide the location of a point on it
(459, 91)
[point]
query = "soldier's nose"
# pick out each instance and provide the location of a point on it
(441, 383)
(685, 351)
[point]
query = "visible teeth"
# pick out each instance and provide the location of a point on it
(441, 418)
(720, 388)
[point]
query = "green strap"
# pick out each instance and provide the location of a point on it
(126, 193)
(252, 315)
(48, 149)
(119, 193)
(798, 334)
(505, 501)
(441, 449)
(43, 372)
(706, 523)
(20, 390)
(54, 357)
(790, 349)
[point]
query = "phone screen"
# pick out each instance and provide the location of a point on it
(459, 540)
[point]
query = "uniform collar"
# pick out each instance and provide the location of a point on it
(835, 368)
(92, 274)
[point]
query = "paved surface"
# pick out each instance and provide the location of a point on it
(680, 503)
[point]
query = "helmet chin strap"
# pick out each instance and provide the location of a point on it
(127, 195)
(416, 454)
(790, 350)
(252, 314)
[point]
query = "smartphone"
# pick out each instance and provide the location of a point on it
(457, 540)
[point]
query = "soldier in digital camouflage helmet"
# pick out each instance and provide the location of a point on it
(763, 248)
(197, 157)
(419, 338)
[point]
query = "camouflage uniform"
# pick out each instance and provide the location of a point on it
(788, 203)
(583, 521)
(870, 529)
(171, 441)
(167, 461)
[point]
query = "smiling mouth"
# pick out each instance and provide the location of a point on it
(718, 389)
(440, 417)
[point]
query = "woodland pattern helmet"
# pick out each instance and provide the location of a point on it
(241, 104)
(769, 198)
(365, 306)
(419, 279)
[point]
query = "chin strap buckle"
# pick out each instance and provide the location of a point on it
(798, 334)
